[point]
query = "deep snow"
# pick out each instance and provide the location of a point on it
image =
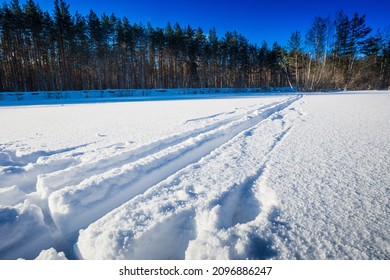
(283, 177)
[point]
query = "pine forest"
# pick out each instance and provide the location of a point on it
(55, 50)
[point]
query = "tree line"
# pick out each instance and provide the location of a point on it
(42, 51)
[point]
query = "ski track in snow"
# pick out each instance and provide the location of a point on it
(169, 207)
(73, 197)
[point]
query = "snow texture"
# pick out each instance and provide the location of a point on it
(51, 254)
(278, 177)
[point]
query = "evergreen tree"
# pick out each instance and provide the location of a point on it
(64, 28)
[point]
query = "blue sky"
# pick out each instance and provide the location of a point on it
(270, 20)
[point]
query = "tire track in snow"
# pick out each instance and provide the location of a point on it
(135, 225)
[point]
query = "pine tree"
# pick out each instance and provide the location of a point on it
(81, 54)
(64, 28)
(357, 34)
(294, 59)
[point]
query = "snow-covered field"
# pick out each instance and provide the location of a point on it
(282, 177)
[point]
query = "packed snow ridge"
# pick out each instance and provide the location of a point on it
(269, 177)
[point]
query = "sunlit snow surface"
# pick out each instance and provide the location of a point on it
(283, 177)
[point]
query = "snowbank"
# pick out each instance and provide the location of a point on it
(10, 196)
(119, 95)
(23, 231)
(51, 254)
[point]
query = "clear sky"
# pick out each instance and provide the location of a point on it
(269, 20)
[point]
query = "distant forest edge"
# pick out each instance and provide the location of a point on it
(58, 51)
